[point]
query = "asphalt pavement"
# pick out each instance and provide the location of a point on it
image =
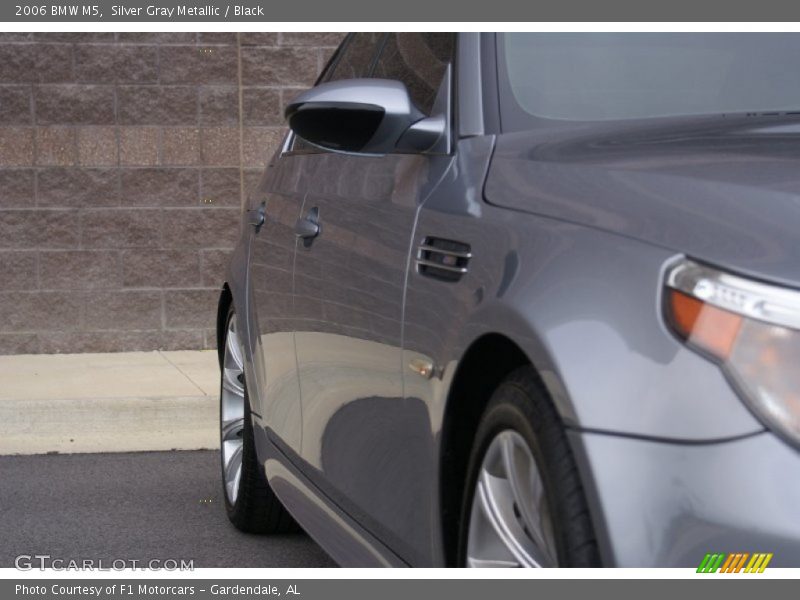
(132, 506)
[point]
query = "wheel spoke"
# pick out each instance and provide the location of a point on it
(233, 473)
(232, 430)
(490, 508)
(486, 546)
(527, 490)
(484, 563)
(231, 381)
(499, 503)
(510, 521)
(232, 349)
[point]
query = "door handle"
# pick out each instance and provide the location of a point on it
(308, 227)
(257, 216)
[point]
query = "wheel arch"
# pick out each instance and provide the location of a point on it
(484, 365)
(224, 303)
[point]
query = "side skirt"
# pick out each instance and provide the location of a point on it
(335, 531)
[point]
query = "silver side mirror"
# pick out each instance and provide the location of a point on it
(363, 116)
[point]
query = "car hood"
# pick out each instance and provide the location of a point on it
(725, 190)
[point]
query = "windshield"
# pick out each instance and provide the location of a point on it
(605, 76)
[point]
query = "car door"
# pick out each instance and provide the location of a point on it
(278, 200)
(280, 197)
(359, 441)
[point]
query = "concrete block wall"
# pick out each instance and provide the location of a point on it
(124, 161)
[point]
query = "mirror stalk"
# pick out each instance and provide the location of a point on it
(424, 136)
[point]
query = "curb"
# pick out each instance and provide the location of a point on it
(116, 424)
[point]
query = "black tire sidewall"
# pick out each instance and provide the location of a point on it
(518, 405)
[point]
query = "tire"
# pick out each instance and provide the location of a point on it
(250, 503)
(538, 516)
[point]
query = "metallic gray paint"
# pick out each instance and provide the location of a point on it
(569, 250)
(356, 95)
(662, 505)
(723, 190)
(470, 110)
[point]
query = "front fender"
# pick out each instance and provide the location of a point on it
(585, 307)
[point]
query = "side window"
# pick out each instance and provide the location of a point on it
(356, 57)
(419, 60)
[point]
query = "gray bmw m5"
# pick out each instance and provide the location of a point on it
(524, 300)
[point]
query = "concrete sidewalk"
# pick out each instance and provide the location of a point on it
(127, 401)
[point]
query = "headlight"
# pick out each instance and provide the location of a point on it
(751, 329)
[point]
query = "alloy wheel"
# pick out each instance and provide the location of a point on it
(232, 412)
(510, 521)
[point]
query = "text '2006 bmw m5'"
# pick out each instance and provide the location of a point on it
(524, 300)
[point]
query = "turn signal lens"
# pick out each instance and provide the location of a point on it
(703, 325)
(751, 329)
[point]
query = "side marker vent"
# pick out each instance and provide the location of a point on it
(445, 260)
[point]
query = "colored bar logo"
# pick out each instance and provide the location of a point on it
(735, 563)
